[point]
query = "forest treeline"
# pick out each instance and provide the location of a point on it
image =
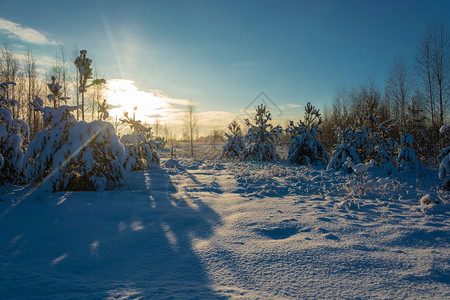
(416, 96)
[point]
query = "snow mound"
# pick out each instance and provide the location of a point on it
(172, 163)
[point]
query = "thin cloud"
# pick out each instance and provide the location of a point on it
(292, 105)
(156, 116)
(44, 61)
(24, 34)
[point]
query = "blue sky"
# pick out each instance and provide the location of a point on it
(222, 54)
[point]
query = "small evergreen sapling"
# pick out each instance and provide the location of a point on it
(14, 135)
(235, 141)
(360, 169)
(261, 137)
(407, 160)
(349, 140)
(370, 140)
(139, 149)
(305, 148)
(377, 144)
(56, 95)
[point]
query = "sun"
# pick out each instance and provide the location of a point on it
(123, 96)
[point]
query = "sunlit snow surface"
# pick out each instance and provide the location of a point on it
(205, 229)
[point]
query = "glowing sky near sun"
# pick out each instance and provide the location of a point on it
(123, 96)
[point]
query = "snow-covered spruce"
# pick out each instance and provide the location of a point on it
(139, 149)
(349, 140)
(159, 142)
(261, 137)
(14, 135)
(305, 149)
(377, 143)
(370, 140)
(407, 160)
(71, 155)
(444, 159)
(235, 141)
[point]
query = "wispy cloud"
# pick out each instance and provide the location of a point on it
(292, 105)
(24, 34)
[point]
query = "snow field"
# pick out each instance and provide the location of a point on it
(229, 229)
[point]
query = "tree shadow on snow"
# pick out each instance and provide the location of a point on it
(122, 244)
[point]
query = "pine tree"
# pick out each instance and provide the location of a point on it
(235, 141)
(349, 140)
(378, 144)
(407, 160)
(83, 64)
(305, 148)
(74, 155)
(139, 146)
(56, 95)
(261, 137)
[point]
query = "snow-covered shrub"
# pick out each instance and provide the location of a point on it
(444, 160)
(360, 169)
(235, 141)
(71, 155)
(139, 149)
(261, 137)
(378, 144)
(349, 140)
(13, 138)
(370, 140)
(407, 160)
(159, 142)
(305, 149)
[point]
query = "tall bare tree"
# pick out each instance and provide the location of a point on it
(440, 53)
(9, 68)
(191, 125)
(32, 89)
(433, 69)
(398, 90)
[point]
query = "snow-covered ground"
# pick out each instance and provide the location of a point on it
(223, 229)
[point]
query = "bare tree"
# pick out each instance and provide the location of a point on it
(191, 125)
(433, 69)
(75, 78)
(216, 136)
(97, 96)
(9, 66)
(31, 76)
(398, 90)
(157, 128)
(440, 53)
